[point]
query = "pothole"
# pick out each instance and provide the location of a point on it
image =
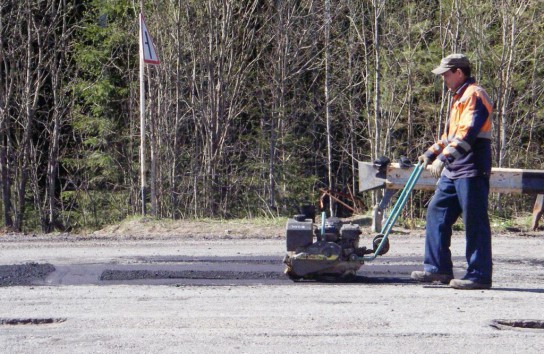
(518, 324)
(29, 321)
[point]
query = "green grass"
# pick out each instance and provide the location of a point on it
(518, 222)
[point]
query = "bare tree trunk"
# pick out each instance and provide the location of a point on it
(443, 99)
(409, 90)
(34, 81)
(60, 106)
(532, 115)
(328, 103)
(510, 48)
(52, 163)
(174, 169)
(456, 32)
(278, 95)
(509, 44)
(6, 185)
(351, 111)
(5, 92)
(272, 164)
(378, 7)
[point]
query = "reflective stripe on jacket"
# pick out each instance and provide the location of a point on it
(465, 147)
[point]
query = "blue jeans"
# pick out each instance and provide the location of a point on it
(454, 197)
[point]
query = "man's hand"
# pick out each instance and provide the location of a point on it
(436, 168)
(424, 160)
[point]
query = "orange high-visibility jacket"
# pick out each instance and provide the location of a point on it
(465, 147)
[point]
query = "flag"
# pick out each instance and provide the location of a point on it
(147, 48)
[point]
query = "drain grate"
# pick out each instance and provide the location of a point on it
(29, 321)
(521, 324)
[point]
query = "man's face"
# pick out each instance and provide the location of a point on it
(453, 79)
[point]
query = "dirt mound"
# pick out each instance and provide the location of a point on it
(146, 227)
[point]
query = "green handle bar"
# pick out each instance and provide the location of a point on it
(399, 205)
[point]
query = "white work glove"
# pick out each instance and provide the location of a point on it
(424, 160)
(436, 168)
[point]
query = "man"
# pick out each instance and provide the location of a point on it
(462, 162)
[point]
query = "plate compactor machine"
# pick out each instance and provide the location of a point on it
(331, 251)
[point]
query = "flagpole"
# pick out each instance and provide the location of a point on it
(142, 117)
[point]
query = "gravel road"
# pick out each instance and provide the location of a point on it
(146, 295)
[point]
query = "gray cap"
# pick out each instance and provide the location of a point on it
(450, 62)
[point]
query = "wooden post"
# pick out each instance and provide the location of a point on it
(538, 210)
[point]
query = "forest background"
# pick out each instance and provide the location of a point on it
(256, 105)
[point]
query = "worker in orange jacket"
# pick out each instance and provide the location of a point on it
(461, 160)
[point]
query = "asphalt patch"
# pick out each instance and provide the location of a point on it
(29, 321)
(254, 260)
(116, 275)
(24, 274)
(518, 324)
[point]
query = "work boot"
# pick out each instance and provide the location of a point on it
(428, 277)
(466, 284)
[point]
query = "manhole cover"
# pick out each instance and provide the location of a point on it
(521, 324)
(29, 321)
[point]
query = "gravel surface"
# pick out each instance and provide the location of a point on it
(71, 310)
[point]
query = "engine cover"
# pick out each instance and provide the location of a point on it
(299, 233)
